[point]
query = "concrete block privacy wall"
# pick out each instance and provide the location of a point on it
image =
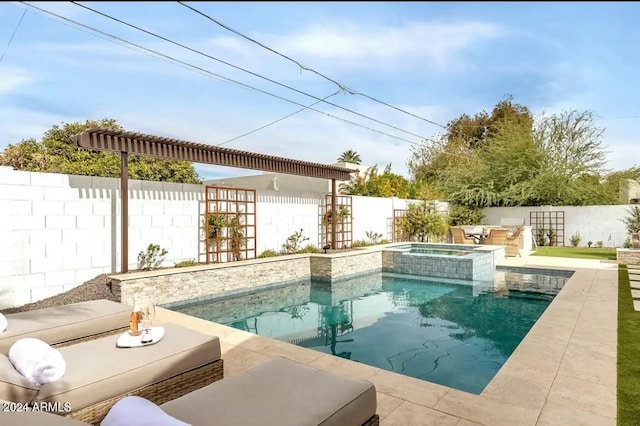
(594, 223)
(58, 231)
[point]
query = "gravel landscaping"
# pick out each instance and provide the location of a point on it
(96, 288)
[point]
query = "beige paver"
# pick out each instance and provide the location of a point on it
(412, 414)
(556, 414)
(343, 366)
(386, 404)
(407, 388)
(529, 393)
(590, 361)
(485, 410)
(562, 373)
(584, 395)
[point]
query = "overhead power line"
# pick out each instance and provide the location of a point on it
(13, 35)
(276, 121)
(306, 68)
(199, 52)
(209, 73)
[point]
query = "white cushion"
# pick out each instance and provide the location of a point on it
(134, 410)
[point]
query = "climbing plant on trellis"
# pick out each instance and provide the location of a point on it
(230, 224)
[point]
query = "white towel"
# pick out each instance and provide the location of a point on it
(37, 361)
(3, 323)
(134, 410)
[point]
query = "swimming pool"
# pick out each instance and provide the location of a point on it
(442, 252)
(445, 332)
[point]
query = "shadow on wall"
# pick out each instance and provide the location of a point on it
(100, 188)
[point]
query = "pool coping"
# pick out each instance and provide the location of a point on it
(563, 372)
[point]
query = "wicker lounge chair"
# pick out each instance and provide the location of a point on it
(497, 237)
(513, 243)
(278, 392)
(68, 324)
(460, 237)
(99, 374)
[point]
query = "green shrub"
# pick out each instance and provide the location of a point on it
(268, 253)
(373, 237)
(360, 243)
(310, 248)
(575, 239)
(464, 215)
(152, 258)
(599, 244)
(294, 242)
(384, 241)
(627, 243)
(186, 263)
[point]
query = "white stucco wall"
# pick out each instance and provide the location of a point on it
(594, 223)
(57, 231)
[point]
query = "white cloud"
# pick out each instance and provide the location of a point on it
(348, 46)
(20, 123)
(14, 79)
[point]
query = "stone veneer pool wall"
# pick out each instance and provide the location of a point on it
(478, 265)
(628, 256)
(172, 286)
(196, 283)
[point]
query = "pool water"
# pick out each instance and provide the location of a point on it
(442, 252)
(453, 334)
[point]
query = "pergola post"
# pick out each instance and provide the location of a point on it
(124, 211)
(126, 143)
(334, 214)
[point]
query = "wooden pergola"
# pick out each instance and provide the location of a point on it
(127, 143)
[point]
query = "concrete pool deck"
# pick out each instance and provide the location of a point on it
(563, 372)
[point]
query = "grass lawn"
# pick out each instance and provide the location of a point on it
(628, 350)
(577, 252)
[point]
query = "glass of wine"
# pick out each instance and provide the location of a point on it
(148, 314)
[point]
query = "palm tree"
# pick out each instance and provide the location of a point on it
(350, 156)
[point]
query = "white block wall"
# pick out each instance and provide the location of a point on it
(279, 215)
(594, 223)
(57, 231)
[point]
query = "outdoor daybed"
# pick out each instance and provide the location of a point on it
(98, 374)
(68, 324)
(279, 392)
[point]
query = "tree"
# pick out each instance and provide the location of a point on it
(373, 184)
(58, 153)
(557, 159)
(350, 156)
(464, 136)
(423, 221)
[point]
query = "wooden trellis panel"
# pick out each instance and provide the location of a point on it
(398, 236)
(544, 221)
(230, 224)
(344, 234)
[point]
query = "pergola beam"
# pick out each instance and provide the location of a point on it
(126, 143)
(173, 149)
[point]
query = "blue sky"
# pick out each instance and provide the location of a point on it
(435, 60)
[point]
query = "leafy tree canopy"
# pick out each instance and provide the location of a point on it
(57, 153)
(509, 159)
(375, 184)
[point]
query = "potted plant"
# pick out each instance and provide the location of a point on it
(632, 223)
